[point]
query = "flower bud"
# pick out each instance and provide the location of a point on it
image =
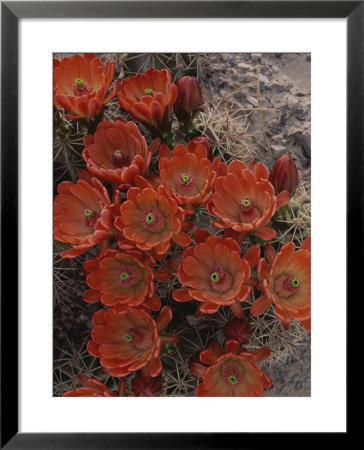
(204, 140)
(238, 329)
(284, 175)
(196, 367)
(146, 387)
(189, 98)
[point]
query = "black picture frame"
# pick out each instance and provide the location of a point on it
(11, 12)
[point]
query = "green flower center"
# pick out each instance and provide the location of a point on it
(150, 218)
(124, 276)
(295, 283)
(233, 379)
(148, 91)
(89, 213)
(79, 82)
(246, 203)
(128, 337)
(185, 178)
(215, 277)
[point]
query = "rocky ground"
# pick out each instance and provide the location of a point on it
(281, 101)
(257, 106)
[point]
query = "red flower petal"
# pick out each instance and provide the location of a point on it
(237, 309)
(262, 353)
(263, 269)
(232, 346)
(182, 239)
(165, 316)
(260, 306)
(162, 274)
(155, 366)
(200, 235)
(208, 357)
(181, 295)
(265, 233)
(252, 255)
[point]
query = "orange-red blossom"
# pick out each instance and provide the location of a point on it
(187, 174)
(83, 216)
(118, 153)
(286, 282)
(130, 340)
(215, 273)
(244, 200)
(119, 278)
(81, 84)
(150, 219)
(149, 98)
(233, 373)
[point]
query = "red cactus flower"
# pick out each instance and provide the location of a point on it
(143, 386)
(124, 279)
(81, 84)
(189, 98)
(91, 388)
(238, 329)
(130, 340)
(121, 278)
(187, 175)
(215, 274)
(118, 153)
(245, 201)
(149, 98)
(232, 373)
(286, 284)
(204, 140)
(83, 216)
(151, 219)
(284, 175)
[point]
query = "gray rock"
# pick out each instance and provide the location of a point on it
(277, 138)
(241, 95)
(291, 101)
(305, 141)
(244, 66)
(256, 56)
(253, 101)
(278, 150)
(263, 79)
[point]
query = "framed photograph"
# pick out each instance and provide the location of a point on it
(162, 167)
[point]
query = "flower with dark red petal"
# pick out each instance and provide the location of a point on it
(144, 386)
(284, 175)
(130, 340)
(215, 273)
(238, 329)
(118, 153)
(204, 140)
(188, 175)
(91, 388)
(81, 84)
(189, 98)
(286, 282)
(83, 216)
(149, 98)
(232, 373)
(151, 219)
(123, 278)
(245, 200)
(197, 369)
